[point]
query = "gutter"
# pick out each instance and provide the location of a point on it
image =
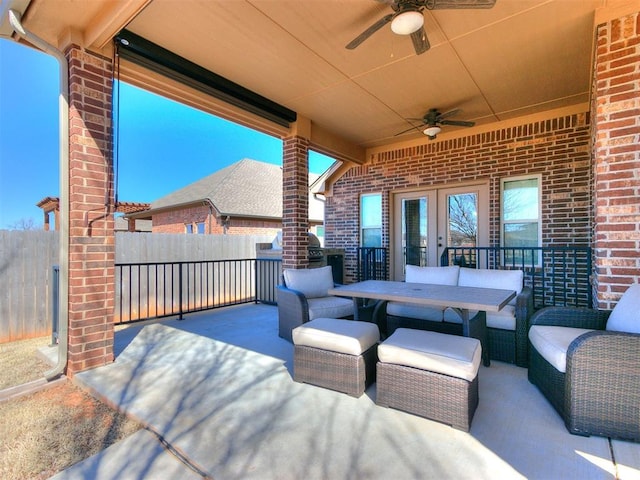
(63, 338)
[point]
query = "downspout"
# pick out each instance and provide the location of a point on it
(63, 340)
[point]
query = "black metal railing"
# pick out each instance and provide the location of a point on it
(154, 290)
(372, 263)
(558, 276)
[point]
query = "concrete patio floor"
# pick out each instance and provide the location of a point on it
(216, 394)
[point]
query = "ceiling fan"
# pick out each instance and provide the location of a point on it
(407, 19)
(432, 121)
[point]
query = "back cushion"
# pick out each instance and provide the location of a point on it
(490, 278)
(312, 282)
(435, 275)
(625, 315)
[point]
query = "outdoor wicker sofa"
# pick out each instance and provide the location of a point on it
(586, 363)
(506, 330)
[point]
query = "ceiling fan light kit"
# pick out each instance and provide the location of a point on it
(407, 22)
(431, 132)
(407, 19)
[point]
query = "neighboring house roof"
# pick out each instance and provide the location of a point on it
(247, 188)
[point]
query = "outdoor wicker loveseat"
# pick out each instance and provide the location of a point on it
(507, 329)
(587, 364)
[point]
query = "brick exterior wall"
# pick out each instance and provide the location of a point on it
(174, 221)
(558, 149)
(295, 204)
(617, 158)
(91, 222)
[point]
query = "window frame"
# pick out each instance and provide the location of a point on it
(538, 219)
(361, 212)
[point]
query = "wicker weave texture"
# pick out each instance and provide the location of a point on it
(603, 385)
(549, 380)
(600, 392)
(502, 345)
(446, 399)
(350, 374)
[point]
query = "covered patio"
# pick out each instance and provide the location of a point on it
(549, 86)
(215, 391)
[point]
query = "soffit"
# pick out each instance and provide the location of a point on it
(520, 57)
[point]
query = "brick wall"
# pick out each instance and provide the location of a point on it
(295, 202)
(617, 158)
(91, 223)
(558, 149)
(174, 221)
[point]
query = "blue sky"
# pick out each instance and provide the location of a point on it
(163, 145)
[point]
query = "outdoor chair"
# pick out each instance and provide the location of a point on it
(585, 362)
(302, 296)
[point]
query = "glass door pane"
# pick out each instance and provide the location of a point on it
(414, 231)
(462, 220)
(463, 224)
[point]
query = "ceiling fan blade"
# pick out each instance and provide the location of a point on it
(420, 41)
(458, 4)
(448, 114)
(408, 130)
(458, 123)
(369, 31)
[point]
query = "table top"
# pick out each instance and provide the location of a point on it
(471, 298)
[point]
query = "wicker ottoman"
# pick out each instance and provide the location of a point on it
(430, 374)
(336, 354)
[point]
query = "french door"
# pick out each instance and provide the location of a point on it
(426, 222)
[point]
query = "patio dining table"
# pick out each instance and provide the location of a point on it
(462, 299)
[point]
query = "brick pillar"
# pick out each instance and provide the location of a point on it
(91, 223)
(295, 204)
(616, 130)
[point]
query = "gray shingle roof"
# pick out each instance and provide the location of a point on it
(246, 188)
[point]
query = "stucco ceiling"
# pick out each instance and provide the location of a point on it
(521, 57)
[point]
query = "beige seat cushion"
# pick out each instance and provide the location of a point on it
(434, 275)
(312, 282)
(432, 351)
(505, 319)
(489, 278)
(332, 307)
(343, 336)
(624, 317)
(552, 343)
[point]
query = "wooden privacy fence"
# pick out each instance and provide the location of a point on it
(26, 269)
(27, 259)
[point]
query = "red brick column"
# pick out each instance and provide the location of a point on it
(295, 204)
(91, 223)
(616, 129)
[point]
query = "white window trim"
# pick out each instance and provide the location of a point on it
(362, 227)
(538, 178)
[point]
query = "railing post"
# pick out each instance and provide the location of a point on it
(180, 291)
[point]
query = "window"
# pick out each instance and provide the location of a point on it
(371, 220)
(188, 227)
(521, 214)
(200, 226)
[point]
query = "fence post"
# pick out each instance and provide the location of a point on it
(180, 265)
